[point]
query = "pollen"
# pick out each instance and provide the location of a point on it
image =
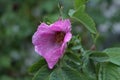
(59, 37)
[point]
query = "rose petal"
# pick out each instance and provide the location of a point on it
(42, 36)
(42, 27)
(64, 45)
(53, 57)
(61, 25)
(43, 42)
(67, 25)
(68, 36)
(51, 53)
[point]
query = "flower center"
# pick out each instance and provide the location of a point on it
(59, 37)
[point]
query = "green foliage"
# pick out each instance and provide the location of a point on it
(71, 74)
(59, 73)
(36, 66)
(42, 74)
(114, 55)
(74, 57)
(80, 15)
(86, 20)
(79, 3)
(99, 56)
(84, 65)
(109, 71)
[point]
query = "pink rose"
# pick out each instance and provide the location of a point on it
(50, 41)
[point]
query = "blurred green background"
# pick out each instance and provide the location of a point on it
(19, 20)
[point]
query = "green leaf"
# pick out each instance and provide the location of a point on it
(71, 74)
(74, 57)
(109, 71)
(99, 56)
(71, 12)
(89, 70)
(114, 54)
(86, 20)
(36, 66)
(80, 15)
(88, 67)
(43, 73)
(77, 47)
(95, 37)
(71, 64)
(81, 9)
(57, 74)
(79, 3)
(67, 73)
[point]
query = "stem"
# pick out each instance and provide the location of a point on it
(60, 7)
(99, 72)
